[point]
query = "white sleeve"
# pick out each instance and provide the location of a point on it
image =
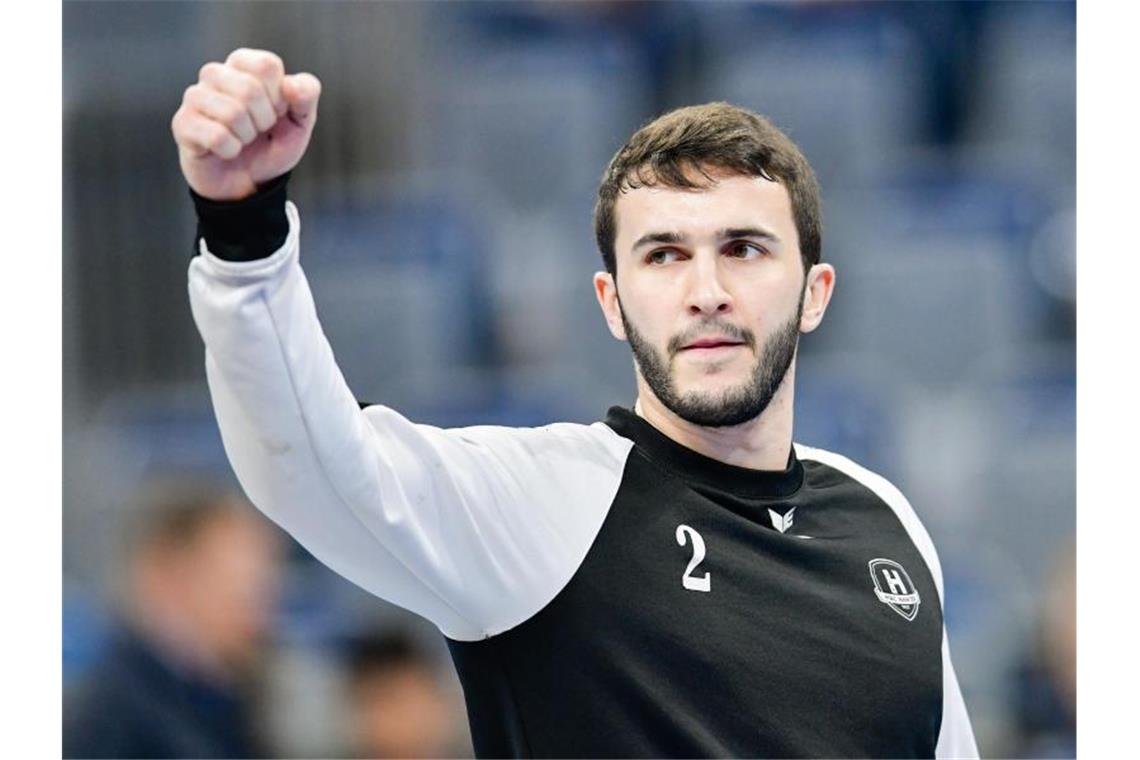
(956, 736)
(473, 528)
(956, 739)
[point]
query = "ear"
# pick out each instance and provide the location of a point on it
(606, 290)
(818, 287)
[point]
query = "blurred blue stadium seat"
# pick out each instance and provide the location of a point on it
(1026, 101)
(849, 403)
(166, 433)
(399, 288)
(844, 83)
(532, 109)
(937, 273)
(1029, 401)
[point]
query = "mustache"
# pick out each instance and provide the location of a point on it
(711, 327)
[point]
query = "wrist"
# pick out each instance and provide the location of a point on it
(248, 229)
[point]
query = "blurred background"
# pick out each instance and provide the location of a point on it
(446, 201)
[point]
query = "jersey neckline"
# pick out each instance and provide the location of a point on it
(692, 466)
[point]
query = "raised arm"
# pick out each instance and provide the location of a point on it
(473, 528)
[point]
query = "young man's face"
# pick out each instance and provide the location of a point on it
(710, 294)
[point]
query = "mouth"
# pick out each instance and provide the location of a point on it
(710, 344)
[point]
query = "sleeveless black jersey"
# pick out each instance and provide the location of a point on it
(604, 590)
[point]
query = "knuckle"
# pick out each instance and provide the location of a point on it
(238, 120)
(226, 110)
(261, 61)
(274, 63)
(217, 138)
(229, 112)
(208, 70)
(250, 88)
(193, 94)
(238, 54)
(265, 62)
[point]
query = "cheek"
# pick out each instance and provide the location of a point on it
(768, 307)
(653, 313)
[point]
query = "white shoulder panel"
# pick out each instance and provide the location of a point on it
(522, 505)
(956, 739)
(956, 736)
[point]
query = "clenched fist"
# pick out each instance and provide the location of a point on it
(243, 123)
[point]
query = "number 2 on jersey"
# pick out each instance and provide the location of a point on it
(688, 580)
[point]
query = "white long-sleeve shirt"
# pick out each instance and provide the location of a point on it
(604, 590)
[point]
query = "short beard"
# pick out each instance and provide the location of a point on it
(733, 406)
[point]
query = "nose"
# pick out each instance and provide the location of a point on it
(707, 295)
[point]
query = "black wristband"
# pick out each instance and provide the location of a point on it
(246, 230)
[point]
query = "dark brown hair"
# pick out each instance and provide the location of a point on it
(172, 511)
(711, 136)
(165, 514)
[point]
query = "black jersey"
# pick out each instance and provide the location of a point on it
(604, 590)
(722, 611)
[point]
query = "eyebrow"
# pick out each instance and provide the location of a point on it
(658, 237)
(748, 232)
(729, 233)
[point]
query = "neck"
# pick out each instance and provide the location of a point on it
(762, 443)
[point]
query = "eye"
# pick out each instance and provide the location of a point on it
(743, 249)
(662, 256)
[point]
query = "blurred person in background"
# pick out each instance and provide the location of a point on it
(197, 584)
(680, 579)
(1045, 681)
(398, 703)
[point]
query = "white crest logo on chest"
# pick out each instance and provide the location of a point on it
(894, 588)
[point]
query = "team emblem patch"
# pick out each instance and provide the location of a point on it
(893, 587)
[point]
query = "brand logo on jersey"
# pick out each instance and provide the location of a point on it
(894, 588)
(782, 522)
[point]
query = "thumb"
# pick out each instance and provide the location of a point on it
(301, 92)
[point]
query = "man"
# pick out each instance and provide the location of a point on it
(676, 580)
(198, 584)
(399, 703)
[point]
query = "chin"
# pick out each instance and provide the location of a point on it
(714, 385)
(712, 413)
